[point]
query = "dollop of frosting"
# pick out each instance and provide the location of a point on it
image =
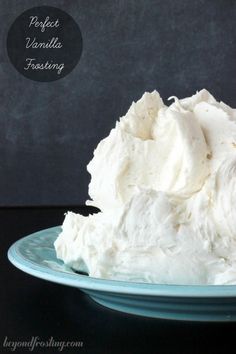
(165, 181)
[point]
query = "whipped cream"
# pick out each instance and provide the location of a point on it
(165, 182)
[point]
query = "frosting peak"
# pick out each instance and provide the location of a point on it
(165, 181)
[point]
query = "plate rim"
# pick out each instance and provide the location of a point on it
(111, 286)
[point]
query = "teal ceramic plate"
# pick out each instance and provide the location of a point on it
(35, 255)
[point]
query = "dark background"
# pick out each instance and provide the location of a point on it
(48, 131)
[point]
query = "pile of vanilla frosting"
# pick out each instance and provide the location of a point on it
(165, 182)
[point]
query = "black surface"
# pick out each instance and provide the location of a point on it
(49, 130)
(33, 307)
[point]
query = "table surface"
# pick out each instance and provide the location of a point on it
(31, 307)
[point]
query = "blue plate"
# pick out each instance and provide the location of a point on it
(35, 255)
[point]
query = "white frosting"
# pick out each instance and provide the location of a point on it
(165, 182)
